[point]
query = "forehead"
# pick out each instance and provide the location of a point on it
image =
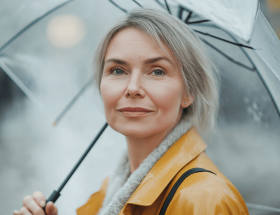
(135, 40)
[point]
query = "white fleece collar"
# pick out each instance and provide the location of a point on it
(122, 186)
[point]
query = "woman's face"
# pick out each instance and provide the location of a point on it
(142, 87)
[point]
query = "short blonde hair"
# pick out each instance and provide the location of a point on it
(198, 76)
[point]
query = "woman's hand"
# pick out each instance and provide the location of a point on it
(33, 205)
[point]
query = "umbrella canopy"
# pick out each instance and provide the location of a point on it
(48, 51)
(235, 16)
(243, 19)
(20, 60)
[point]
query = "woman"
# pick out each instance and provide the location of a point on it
(159, 91)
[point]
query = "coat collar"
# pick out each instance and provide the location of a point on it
(189, 146)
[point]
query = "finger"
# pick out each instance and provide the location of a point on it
(16, 212)
(24, 211)
(39, 198)
(51, 209)
(31, 205)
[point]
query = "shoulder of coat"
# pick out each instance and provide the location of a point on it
(205, 182)
(207, 192)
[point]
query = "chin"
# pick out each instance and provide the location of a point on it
(135, 130)
(136, 134)
(139, 130)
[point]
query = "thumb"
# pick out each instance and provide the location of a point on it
(51, 209)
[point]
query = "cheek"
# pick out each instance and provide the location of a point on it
(167, 97)
(111, 91)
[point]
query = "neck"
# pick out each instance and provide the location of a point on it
(139, 149)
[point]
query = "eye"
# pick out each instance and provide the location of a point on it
(117, 71)
(158, 72)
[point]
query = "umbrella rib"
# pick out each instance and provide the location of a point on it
(65, 110)
(228, 57)
(180, 12)
(206, 34)
(157, 1)
(137, 3)
(22, 86)
(118, 6)
(210, 35)
(196, 22)
(254, 66)
(167, 7)
(238, 44)
(33, 23)
(188, 17)
(232, 37)
(245, 53)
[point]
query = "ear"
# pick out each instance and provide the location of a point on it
(187, 100)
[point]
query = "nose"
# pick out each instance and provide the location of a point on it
(134, 86)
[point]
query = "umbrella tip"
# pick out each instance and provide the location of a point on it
(54, 124)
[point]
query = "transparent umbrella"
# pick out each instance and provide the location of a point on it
(47, 50)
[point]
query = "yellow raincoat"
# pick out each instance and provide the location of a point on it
(200, 193)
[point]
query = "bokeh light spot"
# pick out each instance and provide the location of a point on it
(66, 31)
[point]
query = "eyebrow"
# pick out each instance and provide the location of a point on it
(153, 60)
(148, 61)
(118, 61)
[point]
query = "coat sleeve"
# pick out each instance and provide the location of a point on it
(209, 194)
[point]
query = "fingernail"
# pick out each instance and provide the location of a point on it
(42, 203)
(16, 212)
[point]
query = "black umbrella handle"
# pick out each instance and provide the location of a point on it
(53, 197)
(55, 194)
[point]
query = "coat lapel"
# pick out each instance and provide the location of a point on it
(184, 150)
(189, 146)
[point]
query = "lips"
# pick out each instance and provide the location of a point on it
(134, 111)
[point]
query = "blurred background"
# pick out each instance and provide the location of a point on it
(36, 155)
